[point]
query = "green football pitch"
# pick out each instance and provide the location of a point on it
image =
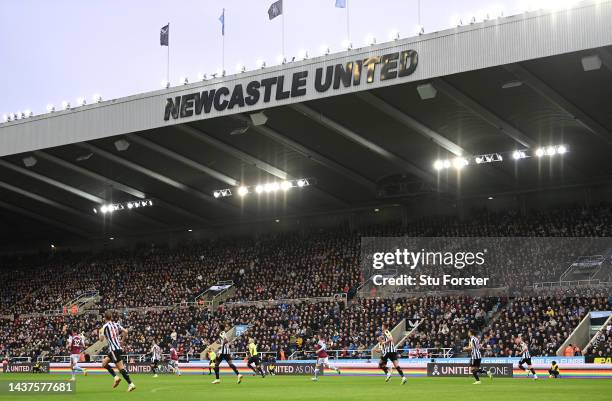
(333, 388)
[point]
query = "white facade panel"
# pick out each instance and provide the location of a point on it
(507, 40)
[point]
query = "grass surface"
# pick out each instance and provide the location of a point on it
(336, 388)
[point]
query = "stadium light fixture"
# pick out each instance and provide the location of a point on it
(165, 84)
(302, 54)
(260, 63)
(242, 191)
(394, 34)
(259, 118)
(201, 76)
(50, 108)
(325, 49)
(29, 161)
(591, 63)
(96, 98)
(347, 44)
(240, 67)
(81, 101)
(121, 145)
(427, 91)
(184, 80)
(488, 158)
(456, 20)
(270, 187)
(115, 207)
(28, 113)
(5, 118)
(461, 162)
(370, 39)
(419, 30)
(66, 105)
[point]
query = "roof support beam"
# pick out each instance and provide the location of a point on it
(358, 139)
(117, 185)
(90, 174)
(36, 216)
(52, 182)
(503, 126)
(156, 176)
(245, 157)
(554, 97)
(237, 153)
(49, 202)
(184, 160)
(411, 123)
(312, 155)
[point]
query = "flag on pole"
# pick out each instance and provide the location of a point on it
(275, 9)
(341, 3)
(164, 35)
(222, 21)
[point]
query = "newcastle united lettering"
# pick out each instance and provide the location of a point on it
(353, 73)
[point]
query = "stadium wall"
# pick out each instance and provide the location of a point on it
(571, 368)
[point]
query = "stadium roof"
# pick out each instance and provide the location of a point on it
(491, 88)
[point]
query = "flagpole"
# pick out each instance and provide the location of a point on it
(348, 30)
(223, 46)
(168, 58)
(283, 31)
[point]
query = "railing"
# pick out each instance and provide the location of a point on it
(336, 297)
(575, 283)
(367, 353)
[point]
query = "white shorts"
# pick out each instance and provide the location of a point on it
(75, 358)
(323, 361)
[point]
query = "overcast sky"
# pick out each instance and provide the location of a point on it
(54, 50)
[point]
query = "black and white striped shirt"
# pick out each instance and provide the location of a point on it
(475, 348)
(156, 353)
(225, 347)
(525, 351)
(388, 346)
(112, 333)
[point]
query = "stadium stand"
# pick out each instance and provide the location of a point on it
(153, 289)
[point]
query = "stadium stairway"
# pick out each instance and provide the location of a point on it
(231, 335)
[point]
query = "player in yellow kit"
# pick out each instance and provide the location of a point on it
(254, 359)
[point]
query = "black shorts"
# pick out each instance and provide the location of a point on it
(224, 357)
(155, 362)
(389, 356)
(115, 356)
(255, 359)
(525, 360)
(475, 363)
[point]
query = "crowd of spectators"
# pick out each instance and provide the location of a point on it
(602, 345)
(543, 322)
(305, 264)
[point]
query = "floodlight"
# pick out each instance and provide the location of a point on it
(459, 163)
(165, 84)
(96, 98)
(184, 80)
(286, 185)
(242, 191)
(550, 151)
(438, 164)
(50, 108)
(540, 152)
(561, 149)
(259, 189)
(81, 101)
(65, 105)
